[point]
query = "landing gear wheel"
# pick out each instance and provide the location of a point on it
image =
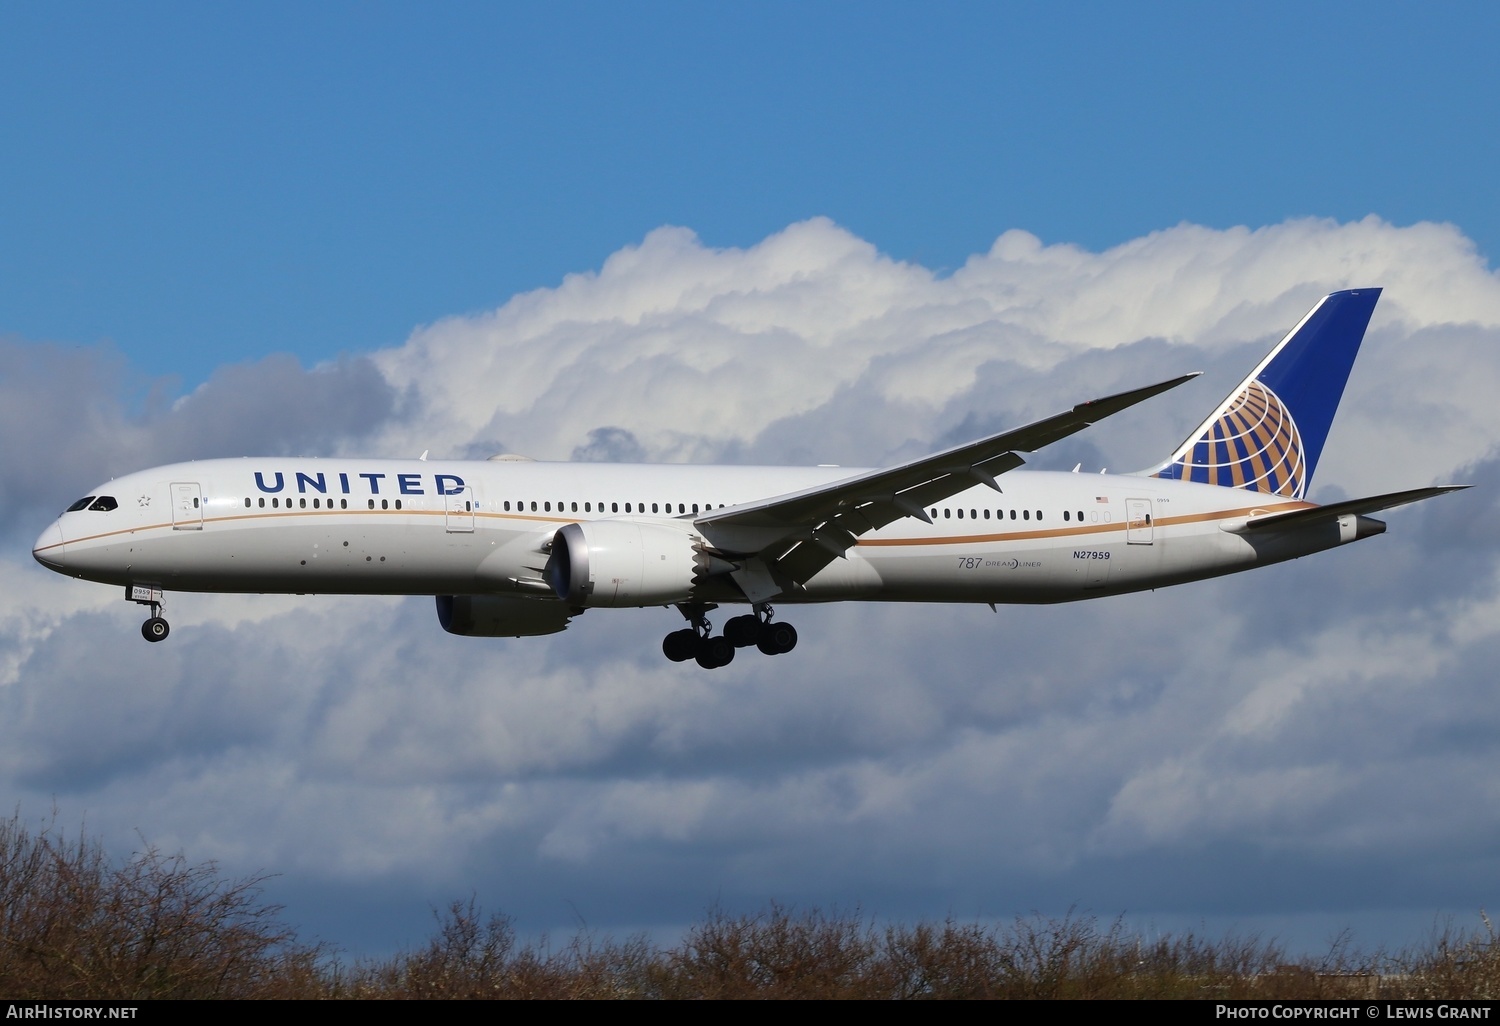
(776, 638)
(715, 652)
(149, 595)
(680, 646)
(742, 631)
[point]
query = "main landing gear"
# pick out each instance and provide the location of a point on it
(154, 629)
(711, 651)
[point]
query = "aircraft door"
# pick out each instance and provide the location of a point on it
(460, 511)
(1138, 521)
(187, 506)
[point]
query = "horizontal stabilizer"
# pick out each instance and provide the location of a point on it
(1334, 510)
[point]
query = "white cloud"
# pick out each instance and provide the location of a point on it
(910, 754)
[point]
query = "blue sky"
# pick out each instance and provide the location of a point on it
(813, 233)
(203, 185)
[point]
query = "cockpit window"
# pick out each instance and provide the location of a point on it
(82, 503)
(104, 504)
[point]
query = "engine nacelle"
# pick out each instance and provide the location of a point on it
(623, 563)
(501, 616)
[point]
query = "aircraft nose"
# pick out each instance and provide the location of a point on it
(48, 549)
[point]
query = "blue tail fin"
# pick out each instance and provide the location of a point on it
(1267, 436)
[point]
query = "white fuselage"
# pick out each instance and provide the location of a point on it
(469, 528)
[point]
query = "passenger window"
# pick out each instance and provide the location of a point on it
(1066, 514)
(398, 503)
(385, 504)
(82, 503)
(1026, 514)
(574, 507)
(372, 503)
(300, 502)
(262, 502)
(947, 513)
(247, 502)
(507, 505)
(614, 507)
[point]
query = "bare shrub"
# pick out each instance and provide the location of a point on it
(477, 956)
(1454, 964)
(75, 924)
(956, 960)
(776, 954)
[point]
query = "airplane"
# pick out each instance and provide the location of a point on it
(512, 547)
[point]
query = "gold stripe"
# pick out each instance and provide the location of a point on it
(1059, 532)
(1112, 528)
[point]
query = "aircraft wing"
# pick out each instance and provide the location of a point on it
(1334, 510)
(799, 533)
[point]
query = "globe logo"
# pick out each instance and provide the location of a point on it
(1253, 445)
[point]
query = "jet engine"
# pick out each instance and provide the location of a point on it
(624, 563)
(501, 616)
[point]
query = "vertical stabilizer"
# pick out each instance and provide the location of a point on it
(1267, 435)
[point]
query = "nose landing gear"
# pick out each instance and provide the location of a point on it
(156, 628)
